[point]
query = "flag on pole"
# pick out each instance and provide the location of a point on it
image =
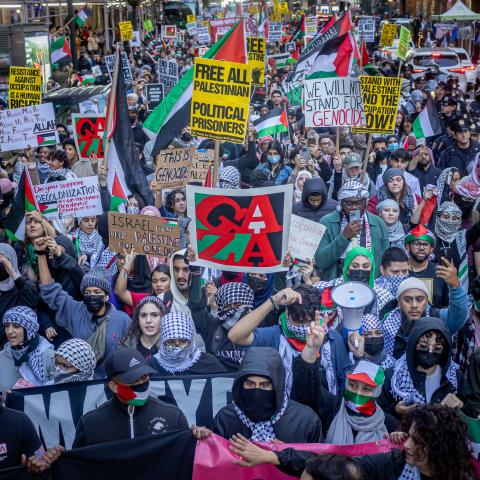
(300, 32)
(59, 48)
(427, 123)
(273, 122)
(82, 16)
(86, 79)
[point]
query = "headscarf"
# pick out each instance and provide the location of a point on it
(447, 230)
(81, 355)
(415, 97)
(429, 150)
(261, 298)
(152, 209)
(296, 191)
(475, 175)
(177, 359)
(466, 187)
(9, 252)
(355, 252)
(395, 231)
(352, 189)
(233, 293)
(229, 177)
(441, 182)
(28, 352)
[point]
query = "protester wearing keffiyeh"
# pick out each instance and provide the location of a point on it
(234, 300)
(80, 355)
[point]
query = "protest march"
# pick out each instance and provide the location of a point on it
(240, 241)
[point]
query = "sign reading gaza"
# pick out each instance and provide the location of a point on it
(240, 230)
(220, 100)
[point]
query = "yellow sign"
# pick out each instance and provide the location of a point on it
(220, 100)
(126, 31)
(283, 8)
(403, 43)
(276, 17)
(24, 87)
(253, 9)
(257, 52)
(380, 99)
(191, 18)
(389, 32)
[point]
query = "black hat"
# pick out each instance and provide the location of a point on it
(128, 365)
(441, 85)
(420, 79)
(448, 101)
(475, 128)
(460, 126)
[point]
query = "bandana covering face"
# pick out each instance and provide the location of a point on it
(390, 283)
(80, 354)
(447, 230)
(232, 293)
(360, 403)
(135, 395)
(300, 331)
(177, 359)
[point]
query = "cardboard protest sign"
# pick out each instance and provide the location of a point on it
(167, 74)
(366, 29)
(389, 31)
(201, 161)
(380, 98)
(145, 234)
(220, 100)
(333, 102)
(148, 26)
(274, 31)
(169, 31)
(124, 65)
(24, 87)
(192, 28)
(70, 198)
(172, 167)
(240, 230)
(126, 31)
(403, 43)
(304, 237)
(32, 126)
(203, 35)
(155, 95)
(257, 51)
(88, 132)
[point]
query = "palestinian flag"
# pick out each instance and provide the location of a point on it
(360, 403)
(427, 123)
(86, 79)
(24, 201)
(47, 138)
(173, 113)
(300, 32)
(334, 59)
(272, 123)
(60, 48)
(82, 16)
(340, 27)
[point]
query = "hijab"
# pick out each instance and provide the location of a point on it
(396, 234)
(9, 252)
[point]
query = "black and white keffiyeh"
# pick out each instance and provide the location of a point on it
(262, 431)
(81, 355)
(410, 473)
(447, 230)
(174, 326)
(233, 293)
(390, 283)
(352, 189)
(89, 244)
(28, 352)
(229, 177)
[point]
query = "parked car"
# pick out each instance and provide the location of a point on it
(470, 69)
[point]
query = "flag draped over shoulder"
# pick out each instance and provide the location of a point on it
(427, 123)
(173, 113)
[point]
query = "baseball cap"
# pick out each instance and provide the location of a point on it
(448, 101)
(127, 364)
(353, 159)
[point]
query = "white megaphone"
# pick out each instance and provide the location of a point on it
(352, 298)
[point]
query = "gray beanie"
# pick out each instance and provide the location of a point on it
(98, 277)
(390, 173)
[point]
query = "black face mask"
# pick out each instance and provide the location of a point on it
(3, 273)
(362, 276)
(374, 345)
(257, 285)
(465, 207)
(257, 404)
(381, 156)
(230, 319)
(186, 137)
(94, 303)
(427, 359)
(62, 137)
(229, 275)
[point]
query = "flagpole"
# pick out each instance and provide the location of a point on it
(365, 159)
(216, 164)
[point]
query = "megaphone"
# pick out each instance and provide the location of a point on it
(352, 298)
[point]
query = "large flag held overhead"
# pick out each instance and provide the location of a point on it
(60, 48)
(273, 122)
(427, 123)
(173, 113)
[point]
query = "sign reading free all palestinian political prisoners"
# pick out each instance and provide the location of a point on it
(240, 230)
(380, 98)
(70, 198)
(220, 100)
(145, 234)
(55, 410)
(88, 133)
(333, 102)
(24, 127)
(24, 87)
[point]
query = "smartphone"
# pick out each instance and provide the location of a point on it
(447, 253)
(354, 215)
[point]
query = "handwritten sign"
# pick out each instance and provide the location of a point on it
(126, 31)
(173, 167)
(24, 87)
(304, 237)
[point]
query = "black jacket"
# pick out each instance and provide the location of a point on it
(115, 420)
(305, 210)
(298, 423)
(458, 157)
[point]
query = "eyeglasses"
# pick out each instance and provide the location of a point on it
(420, 245)
(353, 203)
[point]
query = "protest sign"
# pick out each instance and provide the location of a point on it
(240, 230)
(172, 167)
(55, 410)
(148, 26)
(304, 238)
(200, 164)
(126, 31)
(24, 127)
(69, 198)
(389, 31)
(136, 41)
(366, 29)
(88, 131)
(220, 100)
(221, 26)
(203, 35)
(155, 95)
(170, 31)
(310, 26)
(280, 59)
(146, 235)
(333, 102)
(192, 28)
(88, 106)
(167, 74)
(290, 47)
(257, 51)
(380, 98)
(274, 31)
(403, 43)
(124, 65)
(191, 18)
(24, 87)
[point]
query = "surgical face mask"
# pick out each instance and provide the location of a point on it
(257, 404)
(258, 285)
(392, 146)
(135, 395)
(374, 345)
(362, 276)
(273, 159)
(134, 210)
(427, 359)
(94, 303)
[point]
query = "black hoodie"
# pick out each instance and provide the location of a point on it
(298, 423)
(305, 210)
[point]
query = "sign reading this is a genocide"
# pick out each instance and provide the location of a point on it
(380, 98)
(333, 102)
(146, 235)
(24, 87)
(220, 100)
(257, 52)
(173, 167)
